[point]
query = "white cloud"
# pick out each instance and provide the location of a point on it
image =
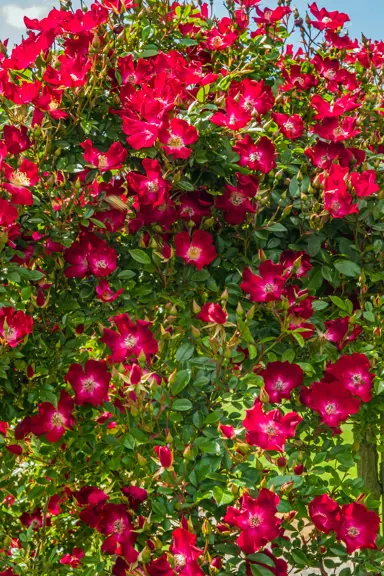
(14, 15)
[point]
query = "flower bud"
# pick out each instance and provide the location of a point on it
(251, 313)
(224, 295)
(145, 555)
(195, 332)
(187, 453)
(141, 460)
(239, 310)
(216, 563)
(287, 210)
(264, 396)
(261, 255)
(165, 456)
(195, 307)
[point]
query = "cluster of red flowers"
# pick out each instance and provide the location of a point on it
(138, 181)
(346, 383)
(352, 523)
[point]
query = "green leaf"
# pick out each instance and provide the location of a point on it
(213, 417)
(222, 497)
(314, 243)
(276, 227)
(338, 302)
(126, 274)
(278, 481)
(181, 381)
(200, 275)
(261, 559)
(140, 256)
(98, 223)
(148, 53)
(33, 275)
(187, 186)
(182, 405)
(299, 339)
(202, 93)
(348, 268)
(258, 570)
(319, 305)
(299, 557)
(185, 352)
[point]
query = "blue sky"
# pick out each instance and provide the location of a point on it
(366, 17)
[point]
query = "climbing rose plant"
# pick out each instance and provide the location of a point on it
(192, 218)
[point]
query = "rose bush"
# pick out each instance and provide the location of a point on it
(192, 217)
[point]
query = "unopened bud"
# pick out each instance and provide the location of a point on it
(141, 460)
(224, 295)
(239, 310)
(251, 313)
(206, 527)
(187, 453)
(264, 396)
(116, 202)
(209, 222)
(261, 255)
(287, 210)
(195, 307)
(195, 332)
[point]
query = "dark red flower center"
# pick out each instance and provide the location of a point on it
(119, 526)
(101, 264)
(89, 384)
(353, 531)
(289, 125)
(130, 341)
(217, 42)
(175, 141)
(180, 561)
(269, 287)
(102, 161)
(270, 429)
(188, 210)
(57, 420)
(339, 131)
(255, 521)
(10, 334)
(237, 198)
(248, 105)
(194, 253)
(152, 186)
(19, 178)
(330, 74)
(254, 157)
(330, 408)
(279, 385)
